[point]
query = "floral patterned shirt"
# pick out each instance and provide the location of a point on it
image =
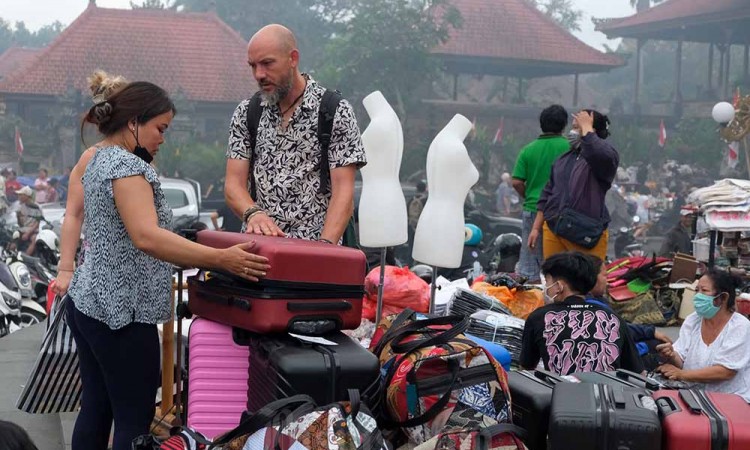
(286, 161)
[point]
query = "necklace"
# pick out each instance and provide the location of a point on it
(283, 113)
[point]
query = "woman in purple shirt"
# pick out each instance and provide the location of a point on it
(578, 184)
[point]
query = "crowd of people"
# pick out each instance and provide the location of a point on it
(279, 183)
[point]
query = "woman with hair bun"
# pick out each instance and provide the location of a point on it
(122, 291)
(575, 192)
(713, 349)
(102, 86)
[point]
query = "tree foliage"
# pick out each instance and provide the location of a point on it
(561, 11)
(20, 36)
(313, 21)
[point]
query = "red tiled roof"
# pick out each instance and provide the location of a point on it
(516, 30)
(194, 53)
(681, 11)
(16, 57)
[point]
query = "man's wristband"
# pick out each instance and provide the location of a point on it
(251, 211)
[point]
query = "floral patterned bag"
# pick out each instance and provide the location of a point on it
(437, 379)
(497, 437)
(296, 424)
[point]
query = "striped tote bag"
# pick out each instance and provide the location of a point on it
(54, 385)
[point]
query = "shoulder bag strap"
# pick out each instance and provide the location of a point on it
(326, 114)
(254, 112)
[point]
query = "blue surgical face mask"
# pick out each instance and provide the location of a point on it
(704, 305)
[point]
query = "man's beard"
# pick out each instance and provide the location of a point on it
(282, 90)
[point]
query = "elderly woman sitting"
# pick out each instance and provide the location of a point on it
(713, 349)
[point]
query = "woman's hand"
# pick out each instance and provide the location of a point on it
(62, 282)
(670, 371)
(666, 350)
(585, 121)
(261, 224)
(239, 261)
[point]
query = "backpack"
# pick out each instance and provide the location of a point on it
(326, 114)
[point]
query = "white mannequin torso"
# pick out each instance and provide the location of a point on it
(439, 238)
(383, 217)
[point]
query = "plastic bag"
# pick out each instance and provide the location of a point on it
(520, 302)
(401, 289)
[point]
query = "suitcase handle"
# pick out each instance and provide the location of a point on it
(545, 375)
(667, 406)
(627, 375)
(318, 306)
(225, 301)
(688, 397)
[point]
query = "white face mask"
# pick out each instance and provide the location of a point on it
(550, 298)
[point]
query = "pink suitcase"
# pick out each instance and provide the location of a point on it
(217, 378)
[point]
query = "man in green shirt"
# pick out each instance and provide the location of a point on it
(531, 174)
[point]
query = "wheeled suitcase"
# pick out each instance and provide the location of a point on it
(699, 420)
(619, 377)
(531, 392)
(587, 416)
(311, 287)
(217, 377)
(323, 368)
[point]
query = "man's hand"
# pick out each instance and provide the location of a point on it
(261, 224)
(533, 238)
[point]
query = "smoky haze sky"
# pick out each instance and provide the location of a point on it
(36, 13)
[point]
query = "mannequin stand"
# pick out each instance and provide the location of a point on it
(379, 308)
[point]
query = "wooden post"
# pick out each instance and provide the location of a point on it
(575, 91)
(167, 357)
(164, 418)
(637, 99)
(710, 67)
(678, 70)
(727, 70)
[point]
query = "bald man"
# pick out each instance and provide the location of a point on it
(285, 162)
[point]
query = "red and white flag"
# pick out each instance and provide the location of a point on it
(662, 134)
(737, 97)
(19, 142)
(499, 133)
(733, 154)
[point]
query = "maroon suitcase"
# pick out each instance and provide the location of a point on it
(311, 288)
(698, 420)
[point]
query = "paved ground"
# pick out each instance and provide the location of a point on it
(17, 354)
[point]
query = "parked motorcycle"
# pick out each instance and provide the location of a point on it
(32, 304)
(10, 302)
(626, 244)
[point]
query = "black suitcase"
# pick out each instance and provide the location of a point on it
(282, 366)
(619, 377)
(531, 392)
(588, 416)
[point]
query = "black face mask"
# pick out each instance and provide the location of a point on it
(139, 151)
(142, 153)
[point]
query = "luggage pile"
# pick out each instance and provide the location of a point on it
(624, 410)
(265, 355)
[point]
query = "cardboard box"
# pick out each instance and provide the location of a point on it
(684, 268)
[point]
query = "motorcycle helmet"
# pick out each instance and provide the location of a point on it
(423, 271)
(472, 235)
(508, 244)
(47, 244)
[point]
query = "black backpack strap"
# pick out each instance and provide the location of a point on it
(326, 114)
(254, 111)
